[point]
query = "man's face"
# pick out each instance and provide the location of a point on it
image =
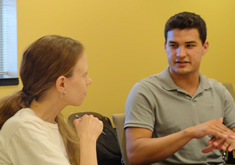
(184, 51)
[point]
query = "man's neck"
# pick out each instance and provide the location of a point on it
(188, 82)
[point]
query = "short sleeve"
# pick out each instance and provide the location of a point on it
(139, 108)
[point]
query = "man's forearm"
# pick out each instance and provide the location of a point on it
(143, 149)
(146, 148)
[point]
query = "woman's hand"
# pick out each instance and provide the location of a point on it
(88, 127)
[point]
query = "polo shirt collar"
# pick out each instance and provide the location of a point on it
(169, 84)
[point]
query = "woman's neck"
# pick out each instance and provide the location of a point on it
(47, 108)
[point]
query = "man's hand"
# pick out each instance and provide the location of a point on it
(222, 144)
(212, 127)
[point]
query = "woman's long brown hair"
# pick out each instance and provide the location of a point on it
(43, 62)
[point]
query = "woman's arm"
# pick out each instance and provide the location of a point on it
(88, 129)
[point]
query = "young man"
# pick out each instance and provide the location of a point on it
(180, 116)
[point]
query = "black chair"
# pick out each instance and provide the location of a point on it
(108, 151)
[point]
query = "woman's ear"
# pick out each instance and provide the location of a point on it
(60, 84)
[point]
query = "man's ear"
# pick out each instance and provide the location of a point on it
(205, 47)
(60, 84)
(165, 45)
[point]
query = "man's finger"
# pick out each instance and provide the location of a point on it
(208, 149)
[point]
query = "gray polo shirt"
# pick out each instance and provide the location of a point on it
(158, 104)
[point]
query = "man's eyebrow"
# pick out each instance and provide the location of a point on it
(172, 42)
(188, 42)
(191, 42)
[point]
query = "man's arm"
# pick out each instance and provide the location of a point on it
(142, 148)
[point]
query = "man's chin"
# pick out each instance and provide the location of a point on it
(182, 71)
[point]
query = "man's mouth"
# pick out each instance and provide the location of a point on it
(181, 62)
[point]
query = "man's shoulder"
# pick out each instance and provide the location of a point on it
(152, 79)
(150, 82)
(213, 84)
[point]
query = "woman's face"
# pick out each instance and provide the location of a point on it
(76, 85)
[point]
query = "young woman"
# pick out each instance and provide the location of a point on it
(33, 131)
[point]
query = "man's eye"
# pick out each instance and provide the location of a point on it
(190, 45)
(173, 45)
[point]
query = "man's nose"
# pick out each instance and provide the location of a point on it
(181, 52)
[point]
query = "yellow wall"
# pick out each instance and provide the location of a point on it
(124, 41)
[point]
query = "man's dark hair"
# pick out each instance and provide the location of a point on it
(187, 20)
